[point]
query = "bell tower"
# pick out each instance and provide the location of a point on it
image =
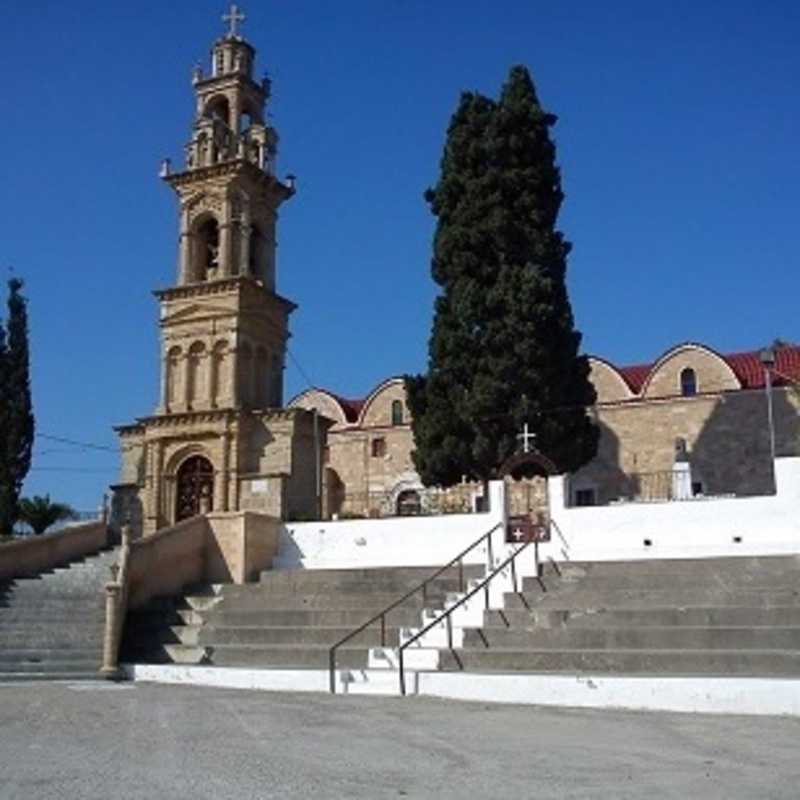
(219, 438)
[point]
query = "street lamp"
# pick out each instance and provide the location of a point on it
(767, 358)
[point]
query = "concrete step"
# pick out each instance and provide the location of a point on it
(267, 656)
(56, 616)
(414, 574)
(370, 604)
(62, 666)
(316, 583)
(660, 662)
(45, 655)
(786, 581)
(678, 566)
(633, 599)
(314, 617)
(54, 639)
(725, 616)
(371, 637)
(88, 674)
(650, 638)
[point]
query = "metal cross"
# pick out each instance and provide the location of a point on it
(234, 18)
(527, 437)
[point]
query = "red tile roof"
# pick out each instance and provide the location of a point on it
(750, 370)
(351, 408)
(747, 367)
(635, 376)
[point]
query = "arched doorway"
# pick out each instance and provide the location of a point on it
(409, 503)
(525, 476)
(194, 485)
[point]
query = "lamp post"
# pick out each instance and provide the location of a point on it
(767, 358)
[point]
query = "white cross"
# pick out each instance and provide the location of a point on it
(517, 534)
(234, 18)
(527, 437)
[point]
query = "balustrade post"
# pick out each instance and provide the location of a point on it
(110, 667)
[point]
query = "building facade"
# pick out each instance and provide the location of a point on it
(692, 405)
(220, 438)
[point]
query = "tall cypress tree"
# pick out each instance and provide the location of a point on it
(504, 349)
(17, 412)
(7, 515)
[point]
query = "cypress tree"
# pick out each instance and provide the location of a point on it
(7, 517)
(16, 409)
(504, 349)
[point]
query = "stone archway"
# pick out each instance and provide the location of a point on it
(194, 488)
(525, 476)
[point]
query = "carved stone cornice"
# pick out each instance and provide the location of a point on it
(185, 418)
(129, 430)
(236, 283)
(230, 169)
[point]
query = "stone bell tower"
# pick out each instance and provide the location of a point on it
(220, 439)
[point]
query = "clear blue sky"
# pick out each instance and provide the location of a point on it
(677, 138)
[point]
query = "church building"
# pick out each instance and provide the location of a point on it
(220, 438)
(726, 416)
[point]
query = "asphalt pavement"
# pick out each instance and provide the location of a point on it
(97, 740)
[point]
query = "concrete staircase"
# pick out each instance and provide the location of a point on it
(289, 619)
(51, 624)
(724, 616)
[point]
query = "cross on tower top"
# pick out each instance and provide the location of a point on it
(233, 19)
(527, 437)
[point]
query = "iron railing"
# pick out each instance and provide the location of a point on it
(423, 588)
(447, 614)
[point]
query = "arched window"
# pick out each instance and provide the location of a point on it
(206, 250)
(194, 377)
(217, 368)
(255, 251)
(245, 375)
(688, 382)
(262, 395)
(219, 109)
(194, 488)
(397, 412)
(172, 395)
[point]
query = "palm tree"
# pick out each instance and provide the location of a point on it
(40, 513)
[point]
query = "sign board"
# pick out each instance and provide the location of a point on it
(521, 529)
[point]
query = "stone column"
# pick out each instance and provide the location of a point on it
(223, 504)
(158, 489)
(164, 403)
(185, 241)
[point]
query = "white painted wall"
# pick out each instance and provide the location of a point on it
(687, 529)
(396, 542)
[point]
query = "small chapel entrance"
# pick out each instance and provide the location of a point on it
(194, 488)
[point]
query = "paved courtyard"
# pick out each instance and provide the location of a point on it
(76, 741)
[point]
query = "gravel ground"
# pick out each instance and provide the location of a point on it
(96, 740)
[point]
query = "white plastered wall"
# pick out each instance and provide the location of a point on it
(697, 528)
(395, 542)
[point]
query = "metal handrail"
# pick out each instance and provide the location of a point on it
(446, 614)
(381, 615)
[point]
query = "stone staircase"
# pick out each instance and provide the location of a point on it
(51, 624)
(289, 619)
(724, 616)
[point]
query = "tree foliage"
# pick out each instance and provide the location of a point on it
(504, 349)
(16, 412)
(40, 512)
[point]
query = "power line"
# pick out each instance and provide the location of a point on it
(87, 445)
(73, 469)
(303, 373)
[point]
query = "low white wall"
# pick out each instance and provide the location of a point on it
(683, 529)
(396, 542)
